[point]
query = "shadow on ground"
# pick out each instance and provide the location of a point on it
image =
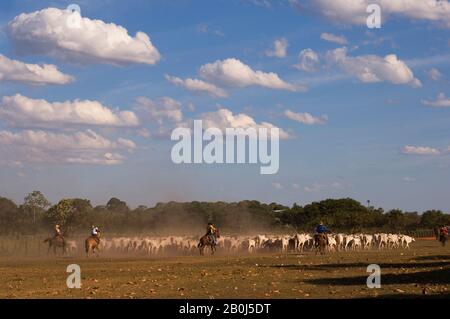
(406, 265)
(437, 276)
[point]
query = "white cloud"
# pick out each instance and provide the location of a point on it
(296, 186)
(198, 86)
(441, 101)
(22, 111)
(85, 147)
(308, 60)
(261, 3)
(373, 68)
(162, 114)
(277, 185)
(158, 110)
(203, 28)
(279, 48)
(434, 74)
(34, 74)
(234, 73)
(60, 141)
(333, 38)
(420, 150)
(354, 11)
(224, 118)
(305, 118)
(317, 187)
(70, 37)
(143, 132)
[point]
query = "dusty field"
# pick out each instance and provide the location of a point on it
(424, 270)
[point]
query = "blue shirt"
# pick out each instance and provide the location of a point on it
(321, 229)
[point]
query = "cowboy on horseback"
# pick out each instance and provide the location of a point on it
(444, 231)
(211, 233)
(92, 243)
(56, 241)
(94, 231)
(321, 231)
(321, 228)
(58, 233)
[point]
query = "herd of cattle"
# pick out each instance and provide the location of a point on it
(251, 244)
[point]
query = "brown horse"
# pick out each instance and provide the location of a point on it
(443, 238)
(92, 245)
(56, 242)
(320, 243)
(206, 241)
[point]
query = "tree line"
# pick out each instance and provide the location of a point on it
(36, 215)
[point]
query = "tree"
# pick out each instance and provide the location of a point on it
(60, 213)
(8, 215)
(115, 204)
(36, 201)
(395, 219)
(432, 218)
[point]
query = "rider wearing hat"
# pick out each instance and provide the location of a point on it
(94, 231)
(211, 232)
(58, 232)
(321, 229)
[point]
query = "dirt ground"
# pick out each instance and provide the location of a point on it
(423, 270)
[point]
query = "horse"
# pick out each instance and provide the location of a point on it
(205, 241)
(443, 238)
(320, 243)
(92, 244)
(437, 233)
(55, 242)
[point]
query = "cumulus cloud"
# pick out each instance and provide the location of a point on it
(354, 11)
(33, 74)
(441, 101)
(308, 60)
(22, 111)
(420, 150)
(84, 147)
(279, 49)
(59, 141)
(198, 86)
(162, 114)
(333, 38)
(434, 74)
(67, 35)
(234, 73)
(224, 118)
(158, 110)
(373, 68)
(305, 118)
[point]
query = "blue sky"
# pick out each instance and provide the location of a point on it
(384, 138)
